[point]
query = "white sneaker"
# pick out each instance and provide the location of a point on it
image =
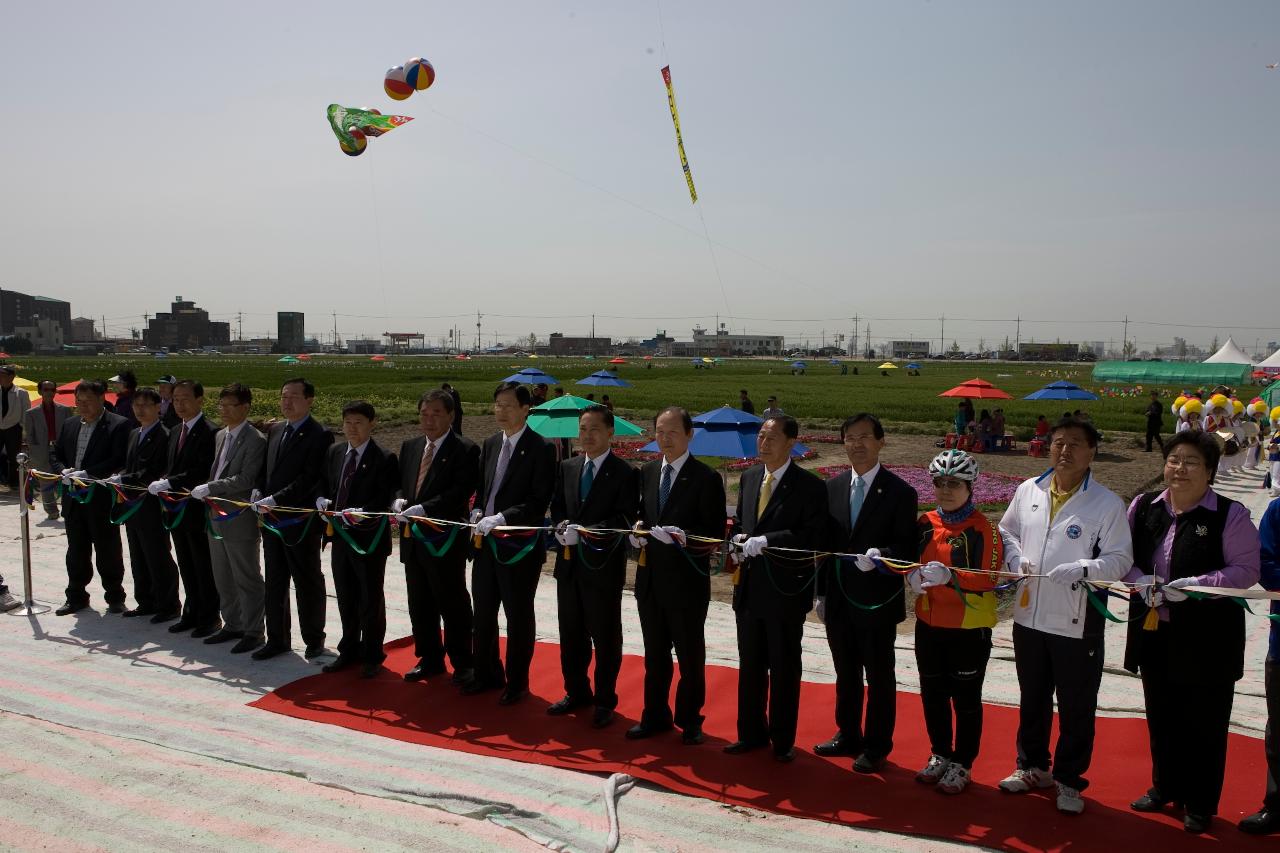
(1069, 800)
(933, 771)
(1021, 781)
(8, 602)
(955, 779)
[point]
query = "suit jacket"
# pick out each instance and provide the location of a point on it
(146, 460)
(35, 431)
(795, 517)
(105, 452)
(19, 402)
(697, 506)
(886, 521)
(293, 474)
(613, 502)
(372, 487)
(240, 475)
(525, 492)
(189, 467)
(450, 482)
(169, 417)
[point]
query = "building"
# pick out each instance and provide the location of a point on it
(45, 335)
(23, 310)
(1049, 352)
(559, 344)
(290, 331)
(184, 326)
(722, 343)
(83, 330)
(364, 346)
(908, 349)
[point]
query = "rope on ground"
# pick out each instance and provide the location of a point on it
(614, 787)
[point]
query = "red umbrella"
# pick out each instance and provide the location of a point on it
(4, 354)
(67, 395)
(378, 358)
(979, 389)
(617, 361)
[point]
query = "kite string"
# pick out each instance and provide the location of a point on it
(662, 35)
(377, 235)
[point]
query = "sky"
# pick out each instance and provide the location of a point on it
(1071, 164)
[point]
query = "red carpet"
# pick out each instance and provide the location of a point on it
(811, 787)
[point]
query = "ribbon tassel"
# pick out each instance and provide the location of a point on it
(1152, 622)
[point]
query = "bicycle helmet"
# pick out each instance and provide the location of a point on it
(954, 463)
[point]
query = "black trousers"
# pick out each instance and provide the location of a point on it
(865, 651)
(590, 614)
(952, 664)
(768, 679)
(1187, 721)
(90, 533)
(297, 560)
(155, 574)
(437, 592)
(11, 439)
(513, 588)
(1271, 801)
(1153, 433)
(358, 582)
(665, 627)
(191, 544)
(1071, 668)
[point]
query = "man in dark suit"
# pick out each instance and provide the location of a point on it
(679, 496)
(780, 505)
(873, 513)
(518, 476)
(296, 451)
(155, 574)
(190, 458)
(359, 476)
(164, 387)
(594, 490)
(91, 446)
(439, 471)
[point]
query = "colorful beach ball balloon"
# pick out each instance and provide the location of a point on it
(361, 143)
(396, 84)
(419, 73)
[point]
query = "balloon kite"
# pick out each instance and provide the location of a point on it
(403, 80)
(353, 126)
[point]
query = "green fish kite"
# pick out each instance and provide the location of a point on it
(353, 126)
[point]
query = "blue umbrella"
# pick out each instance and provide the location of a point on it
(799, 365)
(604, 377)
(835, 362)
(726, 432)
(913, 366)
(1061, 391)
(727, 415)
(532, 376)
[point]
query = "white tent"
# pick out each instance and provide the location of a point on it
(1272, 362)
(1229, 354)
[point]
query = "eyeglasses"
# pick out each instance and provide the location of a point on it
(1187, 463)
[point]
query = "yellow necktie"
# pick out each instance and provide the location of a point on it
(766, 491)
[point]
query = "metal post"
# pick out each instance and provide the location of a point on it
(30, 607)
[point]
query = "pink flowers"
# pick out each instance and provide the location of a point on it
(990, 489)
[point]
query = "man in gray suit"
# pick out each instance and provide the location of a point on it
(14, 403)
(40, 428)
(239, 454)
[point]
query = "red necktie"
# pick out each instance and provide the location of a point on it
(182, 436)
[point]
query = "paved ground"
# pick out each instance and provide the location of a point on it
(119, 736)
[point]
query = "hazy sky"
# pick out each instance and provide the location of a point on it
(1067, 162)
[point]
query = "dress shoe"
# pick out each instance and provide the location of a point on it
(314, 651)
(784, 756)
(1196, 823)
(68, 608)
(206, 630)
(269, 651)
(511, 696)
(568, 704)
(161, 618)
(423, 671)
(1151, 801)
(692, 737)
(738, 747)
(183, 624)
(1262, 822)
(601, 718)
(642, 730)
(476, 685)
(336, 664)
(462, 676)
(116, 608)
(838, 745)
(138, 611)
(868, 763)
(370, 670)
(246, 644)
(223, 636)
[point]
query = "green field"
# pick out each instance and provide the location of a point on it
(821, 397)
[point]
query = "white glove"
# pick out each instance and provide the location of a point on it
(934, 574)
(1067, 573)
(476, 515)
(66, 475)
(821, 609)
(200, 492)
(255, 496)
(1151, 596)
(353, 510)
(263, 504)
(634, 540)
(1173, 589)
(568, 535)
(404, 513)
(80, 475)
(915, 581)
(675, 533)
(323, 503)
(866, 562)
(398, 505)
(117, 479)
(485, 525)
(660, 534)
(158, 486)
(1017, 565)
(755, 546)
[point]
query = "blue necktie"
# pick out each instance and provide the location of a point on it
(664, 488)
(855, 503)
(588, 476)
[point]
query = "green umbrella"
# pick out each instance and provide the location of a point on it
(288, 359)
(558, 418)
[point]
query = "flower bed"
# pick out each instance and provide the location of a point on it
(820, 438)
(991, 488)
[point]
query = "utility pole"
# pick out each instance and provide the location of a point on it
(240, 325)
(335, 330)
(1124, 343)
(478, 317)
(853, 343)
(869, 337)
(1017, 340)
(593, 332)
(942, 335)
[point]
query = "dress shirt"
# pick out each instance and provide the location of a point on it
(867, 480)
(674, 465)
(227, 442)
(82, 440)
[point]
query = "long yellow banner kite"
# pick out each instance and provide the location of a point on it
(675, 119)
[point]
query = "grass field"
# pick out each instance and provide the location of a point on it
(821, 397)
